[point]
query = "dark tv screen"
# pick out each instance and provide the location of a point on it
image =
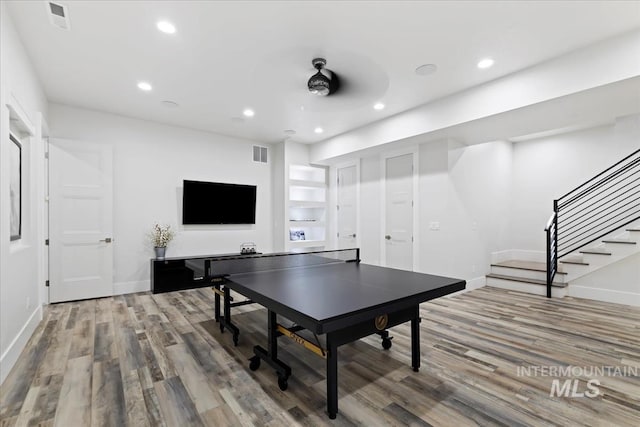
(218, 203)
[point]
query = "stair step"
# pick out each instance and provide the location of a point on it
(524, 280)
(524, 265)
(596, 251)
(576, 261)
(623, 241)
(633, 229)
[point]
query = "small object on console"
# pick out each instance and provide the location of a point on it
(248, 248)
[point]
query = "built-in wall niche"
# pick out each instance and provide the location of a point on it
(309, 174)
(306, 194)
(305, 233)
(307, 214)
(307, 207)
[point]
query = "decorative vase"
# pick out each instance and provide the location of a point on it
(160, 252)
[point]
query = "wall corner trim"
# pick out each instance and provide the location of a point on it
(17, 113)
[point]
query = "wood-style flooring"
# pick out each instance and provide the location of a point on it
(160, 360)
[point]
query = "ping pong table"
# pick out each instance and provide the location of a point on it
(327, 293)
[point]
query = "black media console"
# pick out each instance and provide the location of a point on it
(179, 273)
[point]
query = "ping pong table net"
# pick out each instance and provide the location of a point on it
(255, 263)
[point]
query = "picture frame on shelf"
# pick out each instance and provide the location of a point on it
(296, 235)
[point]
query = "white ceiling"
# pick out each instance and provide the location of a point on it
(227, 56)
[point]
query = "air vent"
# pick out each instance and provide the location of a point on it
(58, 15)
(259, 154)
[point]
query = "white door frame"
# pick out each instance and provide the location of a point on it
(333, 191)
(383, 203)
(57, 293)
(44, 211)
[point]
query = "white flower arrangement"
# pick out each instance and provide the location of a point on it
(161, 235)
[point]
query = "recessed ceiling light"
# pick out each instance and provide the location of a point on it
(485, 63)
(426, 69)
(378, 106)
(144, 86)
(318, 130)
(170, 104)
(249, 112)
(166, 27)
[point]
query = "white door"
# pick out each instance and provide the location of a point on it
(80, 220)
(347, 216)
(398, 238)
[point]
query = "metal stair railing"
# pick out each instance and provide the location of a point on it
(595, 208)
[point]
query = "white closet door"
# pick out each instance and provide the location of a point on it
(80, 220)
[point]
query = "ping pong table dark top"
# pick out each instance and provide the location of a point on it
(319, 296)
(325, 292)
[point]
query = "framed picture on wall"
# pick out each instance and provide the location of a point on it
(15, 188)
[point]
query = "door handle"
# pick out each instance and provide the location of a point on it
(352, 235)
(387, 237)
(106, 240)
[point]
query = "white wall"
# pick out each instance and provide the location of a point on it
(544, 169)
(278, 180)
(370, 215)
(21, 266)
(467, 190)
(150, 162)
(492, 197)
(618, 283)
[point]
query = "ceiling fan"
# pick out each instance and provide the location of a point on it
(325, 82)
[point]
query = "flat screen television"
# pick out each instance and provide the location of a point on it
(218, 203)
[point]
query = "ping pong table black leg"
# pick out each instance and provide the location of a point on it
(270, 355)
(332, 378)
(415, 340)
(225, 321)
(216, 303)
(273, 335)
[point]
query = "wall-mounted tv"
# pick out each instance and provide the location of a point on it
(218, 203)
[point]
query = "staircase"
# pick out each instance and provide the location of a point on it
(593, 226)
(531, 276)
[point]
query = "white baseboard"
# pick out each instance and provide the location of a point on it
(11, 355)
(606, 295)
(472, 284)
(122, 288)
(519, 254)
(501, 256)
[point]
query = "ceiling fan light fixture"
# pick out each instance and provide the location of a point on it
(323, 82)
(319, 84)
